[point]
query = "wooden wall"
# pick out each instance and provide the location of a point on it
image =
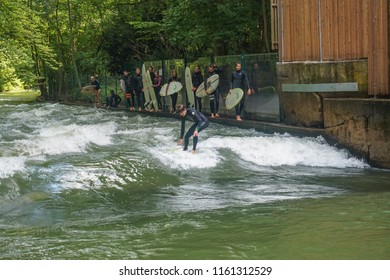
(378, 56)
(334, 30)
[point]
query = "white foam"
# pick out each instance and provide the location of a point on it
(176, 158)
(62, 139)
(70, 177)
(10, 165)
(270, 150)
(278, 150)
(173, 156)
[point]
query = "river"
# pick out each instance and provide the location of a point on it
(82, 183)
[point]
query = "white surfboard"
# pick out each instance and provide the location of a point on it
(190, 94)
(88, 89)
(171, 88)
(151, 90)
(147, 104)
(212, 84)
(233, 98)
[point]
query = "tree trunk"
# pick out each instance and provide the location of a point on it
(72, 48)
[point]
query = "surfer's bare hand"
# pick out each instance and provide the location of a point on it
(196, 133)
(250, 91)
(180, 142)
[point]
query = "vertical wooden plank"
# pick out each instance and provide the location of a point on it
(382, 45)
(353, 44)
(306, 51)
(366, 27)
(388, 48)
(371, 60)
(336, 28)
(296, 55)
(326, 26)
(316, 31)
(341, 46)
(280, 24)
(349, 19)
(361, 30)
(287, 30)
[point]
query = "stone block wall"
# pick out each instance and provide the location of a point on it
(361, 125)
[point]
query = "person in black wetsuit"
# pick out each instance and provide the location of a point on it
(127, 86)
(214, 96)
(113, 100)
(95, 82)
(175, 95)
(237, 81)
(157, 88)
(197, 80)
(139, 88)
(200, 123)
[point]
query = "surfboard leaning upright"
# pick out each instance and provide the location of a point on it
(190, 94)
(146, 89)
(151, 90)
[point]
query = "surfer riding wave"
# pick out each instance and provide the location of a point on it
(200, 123)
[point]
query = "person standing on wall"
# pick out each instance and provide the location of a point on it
(127, 86)
(197, 80)
(157, 88)
(237, 81)
(95, 82)
(214, 96)
(139, 88)
(174, 96)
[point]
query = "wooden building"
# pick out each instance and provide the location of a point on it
(335, 30)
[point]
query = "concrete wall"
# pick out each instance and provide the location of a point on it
(361, 125)
(306, 108)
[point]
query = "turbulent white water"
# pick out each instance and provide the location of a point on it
(39, 133)
(81, 183)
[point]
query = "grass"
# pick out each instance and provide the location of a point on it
(19, 96)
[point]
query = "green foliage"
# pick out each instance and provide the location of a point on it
(111, 35)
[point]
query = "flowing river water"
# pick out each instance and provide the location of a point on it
(81, 183)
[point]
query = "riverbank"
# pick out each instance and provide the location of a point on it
(19, 96)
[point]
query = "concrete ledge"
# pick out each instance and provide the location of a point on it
(304, 108)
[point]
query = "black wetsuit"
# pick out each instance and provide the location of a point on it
(129, 93)
(113, 100)
(138, 86)
(96, 83)
(197, 80)
(157, 88)
(200, 123)
(214, 97)
(175, 95)
(237, 81)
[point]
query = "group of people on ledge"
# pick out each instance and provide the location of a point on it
(132, 88)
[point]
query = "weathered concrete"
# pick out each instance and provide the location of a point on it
(306, 108)
(361, 125)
